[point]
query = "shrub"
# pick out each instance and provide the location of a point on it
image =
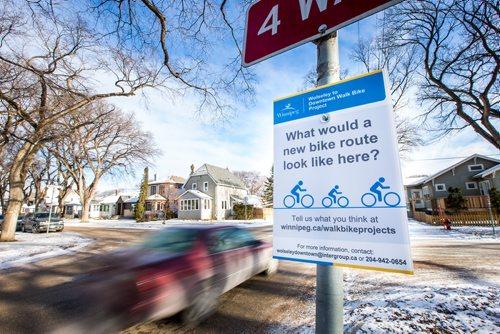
(241, 213)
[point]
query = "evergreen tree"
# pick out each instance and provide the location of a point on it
(456, 200)
(141, 202)
(268, 190)
(495, 200)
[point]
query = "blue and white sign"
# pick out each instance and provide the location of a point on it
(338, 191)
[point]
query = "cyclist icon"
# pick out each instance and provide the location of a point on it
(391, 198)
(328, 201)
(290, 200)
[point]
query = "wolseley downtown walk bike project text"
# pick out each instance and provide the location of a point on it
(337, 181)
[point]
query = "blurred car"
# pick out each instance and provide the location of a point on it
(182, 268)
(39, 221)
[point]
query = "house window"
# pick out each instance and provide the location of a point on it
(440, 187)
(152, 190)
(476, 168)
(224, 205)
(425, 191)
(194, 186)
(190, 204)
(205, 186)
(162, 190)
(148, 206)
(470, 185)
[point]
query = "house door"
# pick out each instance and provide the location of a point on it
(484, 187)
(417, 193)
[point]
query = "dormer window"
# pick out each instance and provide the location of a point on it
(476, 168)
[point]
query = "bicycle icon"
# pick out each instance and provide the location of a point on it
(306, 201)
(390, 199)
(342, 201)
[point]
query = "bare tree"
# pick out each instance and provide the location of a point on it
(49, 82)
(381, 53)
(457, 42)
(253, 180)
(112, 143)
(41, 173)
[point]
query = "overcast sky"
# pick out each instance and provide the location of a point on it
(246, 142)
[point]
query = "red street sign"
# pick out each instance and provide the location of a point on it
(274, 26)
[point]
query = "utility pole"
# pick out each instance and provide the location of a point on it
(329, 279)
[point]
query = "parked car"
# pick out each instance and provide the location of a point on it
(18, 225)
(182, 268)
(39, 221)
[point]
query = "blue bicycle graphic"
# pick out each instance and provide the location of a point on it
(390, 199)
(342, 201)
(306, 201)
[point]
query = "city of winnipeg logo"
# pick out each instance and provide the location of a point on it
(287, 111)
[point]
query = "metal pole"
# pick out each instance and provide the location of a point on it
(329, 279)
(491, 216)
(50, 209)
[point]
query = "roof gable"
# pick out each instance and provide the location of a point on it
(221, 176)
(430, 178)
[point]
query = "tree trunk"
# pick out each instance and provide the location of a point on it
(19, 170)
(85, 210)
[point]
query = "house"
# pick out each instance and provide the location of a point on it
(474, 176)
(72, 205)
(210, 193)
(108, 206)
(161, 193)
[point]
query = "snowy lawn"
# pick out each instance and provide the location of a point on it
(377, 302)
(31, 247)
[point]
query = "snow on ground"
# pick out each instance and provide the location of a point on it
(375, 302)
(159, 224)
(429, 307)
(31, 247)
(420, 230)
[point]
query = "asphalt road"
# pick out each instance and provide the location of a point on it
(40, 297)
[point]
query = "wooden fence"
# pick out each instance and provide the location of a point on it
(458, 219)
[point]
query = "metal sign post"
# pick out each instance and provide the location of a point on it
(329, 279)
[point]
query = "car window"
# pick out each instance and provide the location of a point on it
(227, 239)
(42, 215)
(174, 240)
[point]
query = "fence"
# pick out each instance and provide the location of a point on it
(458, 219)
(263, 213)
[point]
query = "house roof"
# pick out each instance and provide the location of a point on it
(171, 179)
(220, 175)
(156, 197)
(131, 200)
(110, 199)
(196, 193)
(430, 178)
(488, 171)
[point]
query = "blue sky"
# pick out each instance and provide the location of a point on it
(246, 141)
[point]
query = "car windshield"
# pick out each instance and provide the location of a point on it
(45, 215)
(172, 240)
